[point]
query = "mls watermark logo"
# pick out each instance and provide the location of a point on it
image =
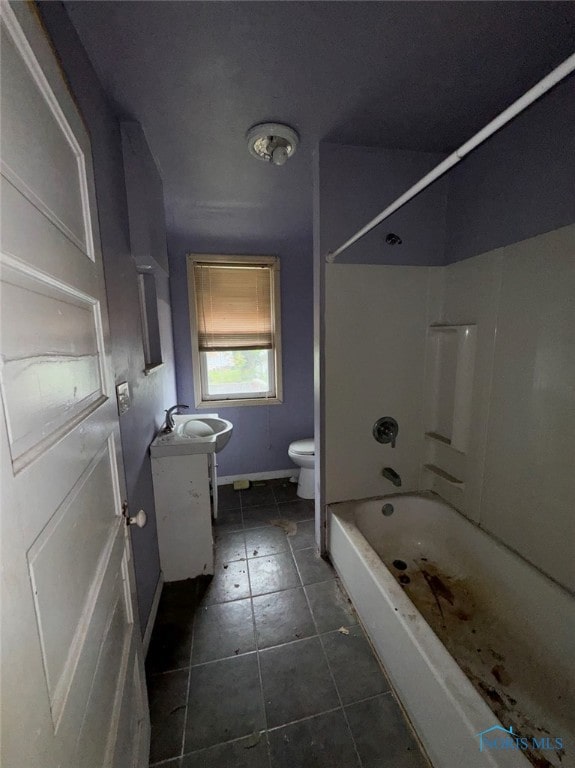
(498, 737)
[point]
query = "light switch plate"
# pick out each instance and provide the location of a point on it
(123, 397)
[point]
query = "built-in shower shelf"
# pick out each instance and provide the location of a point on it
(449, 383)
(443, 441)
(449, 327)
(451, 479)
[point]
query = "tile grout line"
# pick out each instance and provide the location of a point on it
(167, 672)
(271, 554)
(360, 763)
(267, 526)
(264, 594)
(328, 711)
(276, 511)
(165, 762)
(182, 752)
(254, 625)
(274, 647)
(290, 547)
(269, 730)
(303, 719)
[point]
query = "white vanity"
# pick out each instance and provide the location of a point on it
(185, 493)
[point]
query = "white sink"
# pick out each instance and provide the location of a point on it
(207, 427)
(193, 434)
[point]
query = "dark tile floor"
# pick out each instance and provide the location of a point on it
(251, 670)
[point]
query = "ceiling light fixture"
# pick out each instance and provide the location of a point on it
(273, 142)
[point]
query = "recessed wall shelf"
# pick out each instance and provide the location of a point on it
(449, 375)
(441, 438)
(449, 327)
(451, 362)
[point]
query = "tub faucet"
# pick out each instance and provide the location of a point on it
(169, 424)
(391, 474)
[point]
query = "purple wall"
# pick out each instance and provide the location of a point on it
(519, 184)
(357, 183)
(150, 394)
(262, 433)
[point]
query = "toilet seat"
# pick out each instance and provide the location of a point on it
(303, 447)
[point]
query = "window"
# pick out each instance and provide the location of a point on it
(234, 313)
(150, 320)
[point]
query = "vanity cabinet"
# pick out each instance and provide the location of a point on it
(184, 514)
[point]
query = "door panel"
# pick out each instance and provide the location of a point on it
(72, 668)
(130, 726)
(92, 747)
(52, 372)
(42, 157)
(66, 586)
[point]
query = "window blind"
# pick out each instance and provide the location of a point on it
(234, 306)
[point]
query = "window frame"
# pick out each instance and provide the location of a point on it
(201, 400)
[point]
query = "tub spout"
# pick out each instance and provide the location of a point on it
(391, 474)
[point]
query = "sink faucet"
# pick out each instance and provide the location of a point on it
(169, 425)
(392, 475)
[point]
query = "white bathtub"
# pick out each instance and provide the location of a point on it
(509, 626)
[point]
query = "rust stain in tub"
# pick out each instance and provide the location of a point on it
(501, 675)
(438, 587)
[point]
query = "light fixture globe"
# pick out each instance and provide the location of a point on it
(273, 142)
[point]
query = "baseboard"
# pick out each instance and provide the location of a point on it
(276, 473)
(153, 613)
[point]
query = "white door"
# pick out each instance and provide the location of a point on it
(72, 685)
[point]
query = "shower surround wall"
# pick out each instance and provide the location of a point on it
(518, 482)
(353, 308)
(376, 319)
(517, 289)
(150, 394)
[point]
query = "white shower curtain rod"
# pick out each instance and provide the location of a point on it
(498, 122)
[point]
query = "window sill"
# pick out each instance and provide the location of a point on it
(238, 403)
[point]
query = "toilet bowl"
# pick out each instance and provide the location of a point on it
(302, 453)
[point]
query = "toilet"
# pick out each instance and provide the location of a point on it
(302, 453)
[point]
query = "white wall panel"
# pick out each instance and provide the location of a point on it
(529, 482)
(518, 467)
(519, 477)
(470, 294)
(376, 323)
